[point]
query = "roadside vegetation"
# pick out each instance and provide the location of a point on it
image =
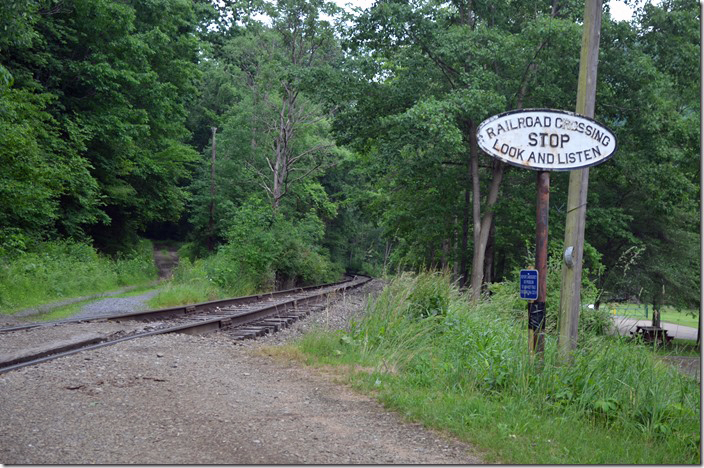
(62, 312)
(425, 352)
(264, 252)
(684, 348)
(54, 270)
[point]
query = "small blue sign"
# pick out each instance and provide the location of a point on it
(529, 285)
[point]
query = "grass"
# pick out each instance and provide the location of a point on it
(466, 370)
(174, 294)
(677, 347)
(216, 277)
(62, 312)
(138, 291)
(194, 282)
(64, 269)
(70, 310)
(680, 317)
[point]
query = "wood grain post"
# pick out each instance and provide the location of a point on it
(570, 292)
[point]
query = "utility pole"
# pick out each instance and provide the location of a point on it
(211, 221)
(570, 302)
(701, 180)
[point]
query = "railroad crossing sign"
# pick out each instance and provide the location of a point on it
(529, 284)
(546, 139)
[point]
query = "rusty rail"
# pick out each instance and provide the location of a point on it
(225, 320)
(184, 309)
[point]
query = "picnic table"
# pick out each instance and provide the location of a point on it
(651, 334)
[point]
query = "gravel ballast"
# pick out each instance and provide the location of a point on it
(181, 399)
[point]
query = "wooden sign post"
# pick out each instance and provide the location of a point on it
(545, 140)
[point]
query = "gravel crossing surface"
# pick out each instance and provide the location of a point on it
(181, 399)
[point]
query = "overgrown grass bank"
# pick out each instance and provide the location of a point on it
(202, 280)
(436, 359)
(64, 269)
(244, 267)
(264, 251)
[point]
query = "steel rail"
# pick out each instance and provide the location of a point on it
(183, 309)
(234, 320)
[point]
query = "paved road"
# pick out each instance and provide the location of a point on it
(628, 324)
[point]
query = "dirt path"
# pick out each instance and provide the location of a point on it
(165, 258)
(180, 399)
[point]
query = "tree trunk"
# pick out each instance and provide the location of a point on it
(464, 272)
(282, 147)
(211, 220)
(489, 255)
(477, 249)
(482, 224)
(699, 331)
(656, 315)
(455, 251)
(446, 243)
(431, 257)
(658, 300)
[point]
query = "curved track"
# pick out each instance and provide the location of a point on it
(243, 317)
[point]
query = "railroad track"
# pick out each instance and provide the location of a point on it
(241, 317)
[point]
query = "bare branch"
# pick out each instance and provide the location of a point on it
(314, 149)
(287, 183)
(259, 173)
(271, 166)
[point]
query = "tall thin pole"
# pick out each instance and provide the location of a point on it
(579, 181)
(701, 181)
(536, 310)
(211, 221)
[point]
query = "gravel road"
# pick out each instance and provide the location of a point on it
(165, 260)
(116, 305)
(181, 399)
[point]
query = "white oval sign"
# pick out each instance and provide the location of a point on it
(546, 139)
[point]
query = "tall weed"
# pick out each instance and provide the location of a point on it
(60, 269)
(506, 300)
(612, 389)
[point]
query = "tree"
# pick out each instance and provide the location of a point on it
(45, 185)
(646, 222)
(279, 65)
(445, 68)
(121, 74)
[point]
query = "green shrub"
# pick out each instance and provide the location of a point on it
(430, 295)
(262, 249)
(137, 265)
(270, 248)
